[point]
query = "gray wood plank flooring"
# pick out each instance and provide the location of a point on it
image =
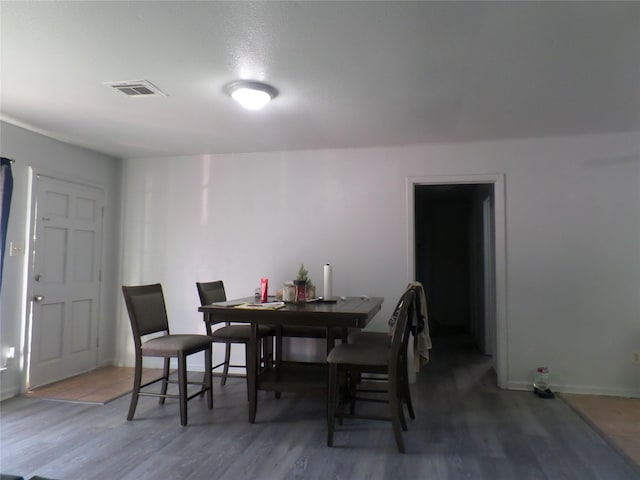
(464, 428)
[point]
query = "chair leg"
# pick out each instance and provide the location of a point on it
(247, 358)
(407, 398)
(208, 373)
(352, 384)
(399, 391)
(278, 353)
(165, 380)
(406, 392)
(278, 356)
(268, 352)
(208, 377)
(332, 395)
(403, 420)
(182, 387)
(225, 369)
(137, 379)
(204, 379)
(345, 395)
(396, 414)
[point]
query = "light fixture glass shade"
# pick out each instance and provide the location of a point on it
(250, 94)
(251, 99)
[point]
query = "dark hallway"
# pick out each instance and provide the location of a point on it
(452, 261)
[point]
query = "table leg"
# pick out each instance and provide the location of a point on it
(252, 372)
(207, 325)
(331, 341)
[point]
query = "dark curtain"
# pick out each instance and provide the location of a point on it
(6, 184)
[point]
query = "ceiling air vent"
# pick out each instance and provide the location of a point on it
(137, 88)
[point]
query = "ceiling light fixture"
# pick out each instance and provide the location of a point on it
(251, 94)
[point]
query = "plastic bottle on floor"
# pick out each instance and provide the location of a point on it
(541, 380)
(541, 383)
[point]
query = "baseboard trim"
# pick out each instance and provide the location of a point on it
(580, 389)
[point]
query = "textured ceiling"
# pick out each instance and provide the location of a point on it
(350, 74)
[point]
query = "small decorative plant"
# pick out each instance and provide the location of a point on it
(303, 276)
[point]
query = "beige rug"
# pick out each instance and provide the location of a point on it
(98, 386)
(617, 418)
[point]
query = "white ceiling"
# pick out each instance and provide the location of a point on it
(350, 74)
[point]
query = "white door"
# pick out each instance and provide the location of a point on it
(65, 279)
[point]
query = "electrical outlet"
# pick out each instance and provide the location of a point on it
(16, 249)
(635, 357)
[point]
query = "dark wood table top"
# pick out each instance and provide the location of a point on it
(352, 312)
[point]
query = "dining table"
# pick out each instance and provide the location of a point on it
(285, 376)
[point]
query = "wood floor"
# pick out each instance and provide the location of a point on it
(618, 418)
(98, 386)
(465, 428)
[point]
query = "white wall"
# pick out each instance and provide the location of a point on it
(43, 153)
(572, 238)
(572, 223)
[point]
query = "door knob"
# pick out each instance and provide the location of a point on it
(38, 298)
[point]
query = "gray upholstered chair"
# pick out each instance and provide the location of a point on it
(148, 317)
(350, 361)
(376, 384)
(229, 334)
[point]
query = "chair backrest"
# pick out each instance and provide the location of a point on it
(401, 330)
(147, 312)
(211, 292)
(411, 312)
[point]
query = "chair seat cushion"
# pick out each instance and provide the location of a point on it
(371, 338)
(359, 354)
(172, 345)
(239, 333)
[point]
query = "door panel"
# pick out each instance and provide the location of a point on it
(80, 331)
(65, 279)
(84, 250)
(49, 334)
(54, 264)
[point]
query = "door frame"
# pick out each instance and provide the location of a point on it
(489, 294)
(501, 353)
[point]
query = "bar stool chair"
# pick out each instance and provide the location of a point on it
(350, 361)
(383, 339)
(229, 334)
(148, 316)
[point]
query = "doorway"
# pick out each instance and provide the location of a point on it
(450, 258)
(457, 252)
